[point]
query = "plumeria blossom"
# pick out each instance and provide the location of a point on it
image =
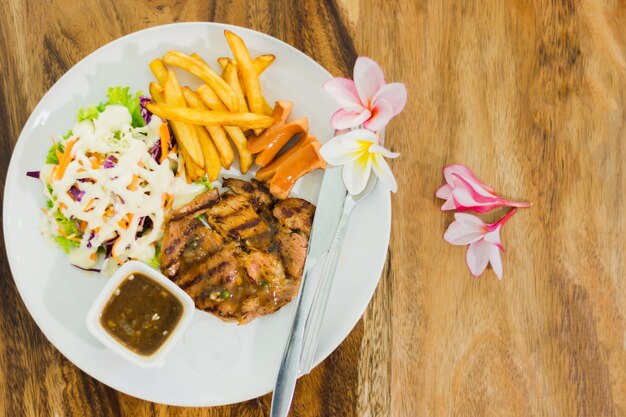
(368, 100)
(483, 240)
(463, 191)
(360, 153)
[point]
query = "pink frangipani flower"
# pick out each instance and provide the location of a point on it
(463, 191)
(368, 100)
(483, 240)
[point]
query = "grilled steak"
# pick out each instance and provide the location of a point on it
(239, 255)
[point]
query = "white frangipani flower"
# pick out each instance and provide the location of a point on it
(359, 152)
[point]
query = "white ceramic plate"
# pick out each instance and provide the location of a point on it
(216, 363)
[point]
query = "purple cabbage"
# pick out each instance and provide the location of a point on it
(76, 193)
(110, 162)
(155, 151)
(108, 247)
(33, 174)
(91, 236)
(145, 113)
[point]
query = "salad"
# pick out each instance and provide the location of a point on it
(110, 182)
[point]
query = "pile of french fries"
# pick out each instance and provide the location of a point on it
(225, 106)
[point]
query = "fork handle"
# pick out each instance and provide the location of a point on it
(324, 286)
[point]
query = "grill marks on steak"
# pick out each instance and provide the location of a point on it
(238, 255)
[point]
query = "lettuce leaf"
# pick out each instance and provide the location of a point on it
(52, 157)
(67, 226)
(87, 113)
(66, 244)
(205, 181)
(120, 96)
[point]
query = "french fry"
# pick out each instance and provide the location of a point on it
(156, 91)
(206, 74)
(241, 143)
(248, 73)
(192, 172)
(186, 135)
(210, 118)
(159, 71)
(260, 63)
(216, 137)
(209, 98)
(230, 76)
(210, 153)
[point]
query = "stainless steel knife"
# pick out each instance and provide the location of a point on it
(327, 215)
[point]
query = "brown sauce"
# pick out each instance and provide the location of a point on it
(141, 314)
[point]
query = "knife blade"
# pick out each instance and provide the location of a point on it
(327, 215)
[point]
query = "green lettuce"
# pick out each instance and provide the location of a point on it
(66, 244)
(67, 226)
(52, 157)
(205, 181)
(119, 96)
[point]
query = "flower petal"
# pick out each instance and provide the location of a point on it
(478, 255)
(465, 200)
(462, 233)
(368, 79)
(384, 173)
(382, 113)
(471, 221)
(343, 119)
(360, 135)
(377, 149)
(444, 192)
(466, 174)
(343, 91)
(356, 174)
(395, 94)
(335, 154)
(496, 261)
(493, 237)
(448, 205)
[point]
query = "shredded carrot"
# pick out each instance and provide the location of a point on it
(88, 205)
(118, 260)
(83, 225)
(96, 230)
(93, 256)
(62, 205)
(167, 201)
(65, 159)
(133, 184)
(53, 172)
(75, 239)
(125, 223)
(109, 212)
(95, 162)
(165, 141)
(44, 210)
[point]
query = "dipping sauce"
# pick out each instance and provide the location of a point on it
(141, 314)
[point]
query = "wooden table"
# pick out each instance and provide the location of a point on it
(530, 94)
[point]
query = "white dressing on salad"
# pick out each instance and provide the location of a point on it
(113, 189)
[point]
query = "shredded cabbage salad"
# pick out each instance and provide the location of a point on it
(110, 182)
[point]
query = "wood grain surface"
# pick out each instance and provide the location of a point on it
(530, 94)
